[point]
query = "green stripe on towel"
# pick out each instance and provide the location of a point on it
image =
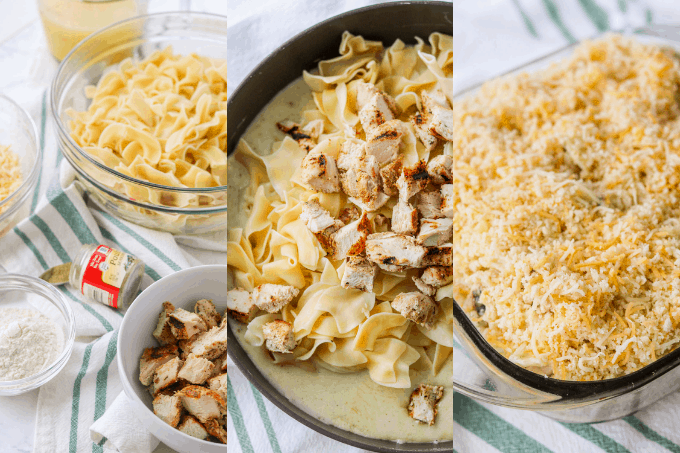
(623, 6)
(237, 419)
(596, 437)
(75, 404)
(596, 14)
(554, 14)
(32, 247)
(527, 20)
(51, 238)
(273, 441)
(63, 204)
(102, 383)
(651, 434)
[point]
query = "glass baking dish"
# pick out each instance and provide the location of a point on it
(482, 373)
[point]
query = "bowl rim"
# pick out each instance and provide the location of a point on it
(37, 165)
(236, 351)
(127, 386)
(63, 131)
(9, 282)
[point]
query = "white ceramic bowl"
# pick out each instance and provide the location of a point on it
(182, 289)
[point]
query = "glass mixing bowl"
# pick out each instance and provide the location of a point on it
(144, 203)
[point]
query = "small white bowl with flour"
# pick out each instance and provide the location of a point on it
(37, 331)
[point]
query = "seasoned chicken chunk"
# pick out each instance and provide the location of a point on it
(421, 126)
(438, 256)
(351, 239)
(202, 403)
(351, 154)
(390, 174)
(196, 369)
(413, 180)
(320, 173)
(404, 218)
(325, 237)
(429, 204)
(315, 216)
(435, 232)
(163, 332)
(394, 252)
(359, 274)
(152, 358)
(206, 310)
(366, 91)
(371, 205)
(382, 223)
(447, 200)
(349, 214)
(437, 276)
(219, 384)
(279, 336)
(192, 427)
(211, 344)
(423, 403)
(166, 375)
(441, 122)
(375, 112)
(240, 305)
(272, 298)
(168, 408)
(216, 430)
(295, 131)
(361, 180)
(416, 307)
(440, 169)
(185, 324)
(383, 141)
(423, 287)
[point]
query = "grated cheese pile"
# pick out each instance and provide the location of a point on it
(10, 172)
(567, 221)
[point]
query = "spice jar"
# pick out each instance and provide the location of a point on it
(106, 275)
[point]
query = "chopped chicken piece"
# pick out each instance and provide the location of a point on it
(413, 180)
(206, 310)
(166, 374)
(440, 169)
(202, 403)
(211, 344)
(372, 205)
(320, 172)
(383, 222)
(361, 180)
(437, 276)
(325, 237)
(376, 112)
(359, 274)
(219, 384)
(279, 336)
(163, 332)
(315, 217)
(438, 256)
(394, 252)
(436, 97)
(216, 430)
(240, 305)
(304, 140)
(196, 369)
(404, 218)
(383, 141)
(351, 154)
(152, 358)
(390, 174)
(421, 126)
(185, 324)
(366, 91)
(350, 214)
(429, 204)
(314, 128)
(351, 239)
(192, 427)
(168, 408)
(272, 298)
(447, 200)
(220, 365)
(416, 307)
(424, 287)
(441, 122)
(435, 232)
(423, 403)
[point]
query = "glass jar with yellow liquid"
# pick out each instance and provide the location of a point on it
(67, 22)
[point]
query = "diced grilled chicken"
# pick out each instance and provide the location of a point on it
(196, 369)
(220, 365)
(390, 174)
(163, 332)
(416, 307)
(404, 218)
(434, 232)
(211, 344)
(361, 180)
(429, 204)
(421, 126)
(240, 305)
(371, 205)
(440, 169)
(272, 298)
(202, 403)
(325, 237)
(424, 287)
(447, 200)
(351, 154)
(216, 430)
(152, 358)
(359, 274)
(438, 256)
(350, 240)
(279, 336)
(185, 324)
(166, 374)
(440, 118)
(437, 276)
(375, 112)
(192, 427)
(315, 216)
(295, 131)
(423, 403)
(366, 91)
(320, 172)
(383, 223)
(168, 408)
(413, 180)
(206, 310)
(394, 252)
(436, 97)
(219, 384)
(383, 141)
(349, 215)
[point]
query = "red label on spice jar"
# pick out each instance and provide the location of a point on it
(104, 275)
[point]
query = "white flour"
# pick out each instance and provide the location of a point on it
(29, 341)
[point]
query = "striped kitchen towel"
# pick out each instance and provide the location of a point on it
(491, 36)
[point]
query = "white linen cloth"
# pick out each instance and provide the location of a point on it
(490, 37)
